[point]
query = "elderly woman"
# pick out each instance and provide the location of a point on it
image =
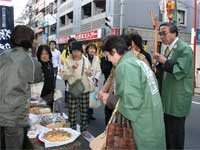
(17, 71)
(140, 101)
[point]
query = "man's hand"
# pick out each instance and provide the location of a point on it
(160, 58)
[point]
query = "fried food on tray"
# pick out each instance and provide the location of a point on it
(39, 110)
(34, 110)
(56, 125)
(57, 136)
(45, 110)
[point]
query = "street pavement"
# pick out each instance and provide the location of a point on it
(192, 137)
(197, 91)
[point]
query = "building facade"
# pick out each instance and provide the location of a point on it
(82, 19)
(40, 15)
(76, 18)
(45, 19)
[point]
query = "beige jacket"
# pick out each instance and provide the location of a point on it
(96, 69)
(72, 75)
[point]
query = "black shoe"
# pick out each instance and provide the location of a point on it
(92, 118)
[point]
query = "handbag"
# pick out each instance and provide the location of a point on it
(77, 88)
(99, 143)
(118, 134)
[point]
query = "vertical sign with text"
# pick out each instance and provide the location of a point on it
(6, 25)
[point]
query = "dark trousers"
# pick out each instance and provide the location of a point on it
(27, 143)
(108, 113)
(49, 98)
(11, 138)
(55, 70)
(90, 112)
(175, 132)
(66, 92)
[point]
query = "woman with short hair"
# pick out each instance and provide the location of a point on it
(44, 57)
(137, 89)
(17, 71)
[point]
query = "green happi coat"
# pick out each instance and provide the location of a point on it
(177, 86)
(140, 102)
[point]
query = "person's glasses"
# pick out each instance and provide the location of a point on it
(163, 33)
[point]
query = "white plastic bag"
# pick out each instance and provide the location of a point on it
(57, 94)
(93, 101)
(36, 89)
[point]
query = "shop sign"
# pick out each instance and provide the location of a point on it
(64, 39)
(94, 34)
(90, 35)
(6, 26)
(116, 31)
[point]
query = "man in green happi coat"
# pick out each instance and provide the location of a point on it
(178, 66)
(140, 101)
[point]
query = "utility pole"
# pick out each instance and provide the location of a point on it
(57, 19)
(122, 8)
(30, 14)
(195, 28)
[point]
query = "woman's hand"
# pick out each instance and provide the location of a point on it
(61, 71)
(103, 96)
(75, 66)
(88, 72)
(140, 56)
(99, 95)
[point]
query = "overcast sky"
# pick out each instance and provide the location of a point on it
(19, 5)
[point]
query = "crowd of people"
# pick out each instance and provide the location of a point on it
(157, 111)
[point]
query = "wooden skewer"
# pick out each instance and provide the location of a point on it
(155, 25)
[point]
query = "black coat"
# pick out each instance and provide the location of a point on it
(106, 67)
(48, 78)
(148, 57)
